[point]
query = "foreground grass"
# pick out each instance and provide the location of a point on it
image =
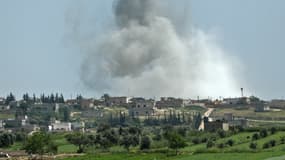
(209, 156)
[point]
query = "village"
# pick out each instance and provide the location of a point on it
(54, 114)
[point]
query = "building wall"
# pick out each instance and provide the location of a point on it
(117, 101)
(143, 108)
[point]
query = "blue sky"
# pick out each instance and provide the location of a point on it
(35, 56)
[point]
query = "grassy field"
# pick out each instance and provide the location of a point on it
(240, 150)
(208, 156)
(6, 116)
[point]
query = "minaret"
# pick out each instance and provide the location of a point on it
(241, 92)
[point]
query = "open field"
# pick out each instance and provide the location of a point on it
(206, 156)
(239, 150)
(6, 116)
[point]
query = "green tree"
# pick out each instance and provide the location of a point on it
(263, 133)
(255, 136)
(175, 141)
(79, 139)
(210, 144)
(39, 143)
(230, 142)
(106, 136)
(10, 98)
(273, 130)
(6, 139)
(145, 143)
(253, 145)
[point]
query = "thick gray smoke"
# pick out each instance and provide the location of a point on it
(145, 55)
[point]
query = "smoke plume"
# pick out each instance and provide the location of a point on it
(145, 54)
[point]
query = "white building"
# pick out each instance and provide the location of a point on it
(60, 126)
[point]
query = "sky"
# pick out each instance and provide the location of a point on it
(37, 55)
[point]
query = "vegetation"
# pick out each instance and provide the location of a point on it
(40, 143)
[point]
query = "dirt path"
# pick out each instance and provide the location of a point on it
(206, 114)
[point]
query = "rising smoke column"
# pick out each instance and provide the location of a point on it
(145, 56)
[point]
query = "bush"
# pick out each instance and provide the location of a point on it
(269, 144)
(252, 145)
(272, 143)
(222, 134)
(273, 130)
(196, 141)
(221, 145)
(255, 136)
(145, 143)
(266, 145)
(230, 142)
(210, 144)
(204, 140)
(263, 133)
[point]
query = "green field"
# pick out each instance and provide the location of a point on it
(207, 156)
(240, 150)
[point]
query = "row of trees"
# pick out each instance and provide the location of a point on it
(52, 98)
(8, 139)
(107, 137)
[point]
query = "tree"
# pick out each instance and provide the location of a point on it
(129, 140)
(145, 143)
(230, 142)
(6, 140)
(196, 140)
(10, 98)
(210, 144)
(78, 139)
(253, 145)
(221, 133)
(66, 114)
(273, 130)
(175, 141)
(263, 133)
(40, 143)
(106, 137)
(255, 136)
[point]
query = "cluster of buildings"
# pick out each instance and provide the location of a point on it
(136, 107)
(223, 123)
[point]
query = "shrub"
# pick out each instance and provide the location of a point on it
(273, 130)
(221, 145)
(210, 144)
(269, 144)
(145, 143)
(230, 142)
(252, 145)
(196, 140)
(255, 136)
(272, 143)
(263, 133)
(222, 134)
(204, 140)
